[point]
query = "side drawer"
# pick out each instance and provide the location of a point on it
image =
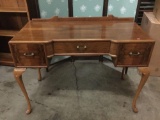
(134, 54)
(31, 55)
(92, 47)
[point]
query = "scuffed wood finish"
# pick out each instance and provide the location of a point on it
(18, 76)
(145, 72)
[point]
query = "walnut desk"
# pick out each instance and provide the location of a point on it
(120, 38)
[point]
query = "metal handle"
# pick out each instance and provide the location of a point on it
(82, 47)
(134, 53)
(28, 54)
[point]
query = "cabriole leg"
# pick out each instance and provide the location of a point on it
(39, 74)
(124, 71)
(18, 76)
(145, 74)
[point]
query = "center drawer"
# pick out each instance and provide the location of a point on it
(81, 47)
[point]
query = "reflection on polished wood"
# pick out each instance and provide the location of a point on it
(90, 29)
(120, 38)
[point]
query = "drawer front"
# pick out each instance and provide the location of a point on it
(81, 47)
(28, 55)
(134, 54)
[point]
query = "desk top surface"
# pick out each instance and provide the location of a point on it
(81, 29)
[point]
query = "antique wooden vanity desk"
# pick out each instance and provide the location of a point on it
(120, 38)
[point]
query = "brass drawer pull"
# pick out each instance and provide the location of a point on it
(134, 53)
(29, 54)
(81, 47)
